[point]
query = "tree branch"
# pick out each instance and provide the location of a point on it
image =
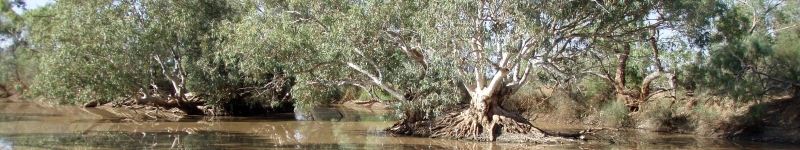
(371, 62)
(378, 81)
(308, 17)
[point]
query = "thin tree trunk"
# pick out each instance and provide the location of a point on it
(619, 76)
(19, 79)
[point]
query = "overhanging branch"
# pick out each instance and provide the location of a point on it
(377, 81)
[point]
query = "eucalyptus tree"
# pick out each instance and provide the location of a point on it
(423, 53)
(325, 45)
(411, 50)
(14, 57)
(501, 41)
(107, 50)
(754, 51)
(628, 42)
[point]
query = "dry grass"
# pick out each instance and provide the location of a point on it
(765, 119)
(527, 99)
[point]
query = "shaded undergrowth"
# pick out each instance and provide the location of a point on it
(767, 119)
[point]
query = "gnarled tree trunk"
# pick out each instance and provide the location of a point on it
(168, 102)
(485, 120)
(633, 98)
(178, 83)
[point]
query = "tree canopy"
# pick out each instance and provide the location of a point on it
(422, 57)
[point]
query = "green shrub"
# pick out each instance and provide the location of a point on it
(595, 87)
(379, 93)
(659, 111)
(705, 117)
(615, 114)
(363, 95)
(351, 93)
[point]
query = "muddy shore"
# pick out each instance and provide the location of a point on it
(778, 119)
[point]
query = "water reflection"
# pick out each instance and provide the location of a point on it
(29, 125)
(4, 144)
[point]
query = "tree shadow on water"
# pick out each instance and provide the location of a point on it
(137, 140)
(182, 140)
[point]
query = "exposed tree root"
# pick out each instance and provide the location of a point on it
(189, 108)
(472, 125)
(482, 120)
(414, 124)
(467, 124)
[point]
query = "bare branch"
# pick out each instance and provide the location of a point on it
(648, 80)
(601, 75)
(303, 17)
(378, 81)
(770, 77)
(170, 76)
(524, 79)
(601, 6)
(412, 53)
(371, 62)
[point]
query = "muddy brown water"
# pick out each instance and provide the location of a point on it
(29, 125)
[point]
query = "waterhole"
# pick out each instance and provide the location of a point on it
(29, 125)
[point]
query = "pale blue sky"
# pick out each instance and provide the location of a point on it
(31, 4)
(36, 3)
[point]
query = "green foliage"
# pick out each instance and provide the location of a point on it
(564, 105)
(706, 116)
(363, 95)
(660, 111)
(615, 113)
(267, 52)
(755, 51)
(310, 97)
(306, 38)
(17, 60)
(101, 50)
(595, 87)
